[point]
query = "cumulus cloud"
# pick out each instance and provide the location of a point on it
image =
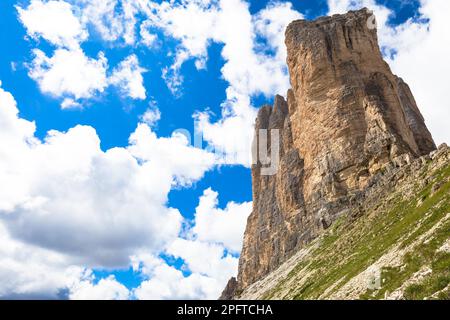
(128, 77)
(69, 103)
(205, 258)
(206, 251)
(416, 51)
(148, 38)
(70, 206)
(208, 270)
(222, 226)
(94, 207)
(31, 272)
(423, 46)
(151, 116)
(89, 176)
(16, 137)
(75, 206)
(254, 54)
(65, 23)
(253, 51)
(27, 271)
(69, 74)
(167, 282)
(54, 21)
(172, 74)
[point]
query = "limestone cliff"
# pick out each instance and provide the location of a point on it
(346, 119)
(394, 242)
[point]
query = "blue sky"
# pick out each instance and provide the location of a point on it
(199, 79)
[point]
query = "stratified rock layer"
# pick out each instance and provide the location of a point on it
(345, 119)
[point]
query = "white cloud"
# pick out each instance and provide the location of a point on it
(16, 137)
(29, 271)
(147, 38)
(191, 22)
(167, 282)
(69, 203)
(97, 208)
(84, 287)
(113, 20)
(206, 254)
(71, 206)
(128, 77)
(69, 73)
(249, 68)
(205, 258)
(54, 21)
(69, 103)
(417, 52)
(209, 269)
(232, 135)
(172, 74)
(151, 116)
(222, 226)
(76, 207)
(230, 23)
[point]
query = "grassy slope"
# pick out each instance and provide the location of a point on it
(416, 226)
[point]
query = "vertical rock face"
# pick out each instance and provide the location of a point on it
(346, 117)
